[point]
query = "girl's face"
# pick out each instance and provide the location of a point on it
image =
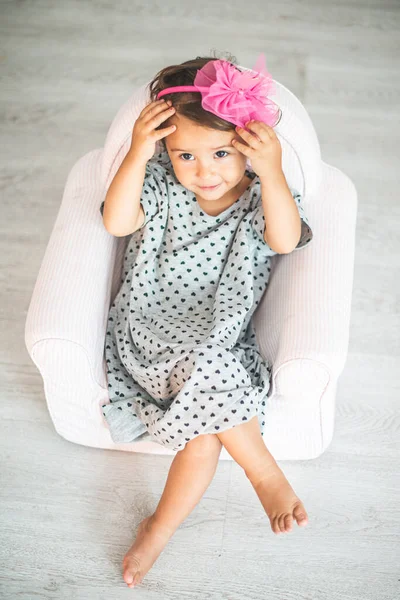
(203, 157)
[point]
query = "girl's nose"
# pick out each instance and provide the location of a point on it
(204, 170)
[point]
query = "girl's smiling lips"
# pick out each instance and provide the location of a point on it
(210, 187)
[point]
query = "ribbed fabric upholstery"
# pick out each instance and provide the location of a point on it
(302, 323)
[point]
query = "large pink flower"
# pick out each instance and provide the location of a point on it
(238, 96)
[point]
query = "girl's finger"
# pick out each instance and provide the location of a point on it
(241, 147)
(159, 113)
(153, 109)
(262, 129)
(258, 132)
(248, 137)
(151, 106)
(161, 133)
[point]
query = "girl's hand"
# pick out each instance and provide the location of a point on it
(144, 134)
(263, 148)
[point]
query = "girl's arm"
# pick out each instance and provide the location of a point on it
(123, 213)
(282, 220)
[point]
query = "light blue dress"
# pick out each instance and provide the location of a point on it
(181, 352)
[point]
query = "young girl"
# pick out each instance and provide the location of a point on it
(184, 367)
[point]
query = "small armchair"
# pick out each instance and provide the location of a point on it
(302, 322)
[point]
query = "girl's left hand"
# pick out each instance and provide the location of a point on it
(263, 149)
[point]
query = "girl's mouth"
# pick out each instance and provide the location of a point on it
(213, 187)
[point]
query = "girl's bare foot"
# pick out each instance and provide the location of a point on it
(279, 501)
(150, 541)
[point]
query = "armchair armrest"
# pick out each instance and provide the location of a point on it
(302, 323)
(67, 316)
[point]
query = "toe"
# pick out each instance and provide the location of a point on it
(132, 579)
(288, 519)
(282, 523)
(300, 515)
(136, 580)
(130, 570)
(275, 525)
(128, 577)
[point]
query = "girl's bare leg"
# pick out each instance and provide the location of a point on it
(190, 474)
(245, 444)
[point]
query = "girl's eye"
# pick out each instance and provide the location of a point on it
(188, 154)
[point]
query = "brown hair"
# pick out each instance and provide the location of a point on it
(187, 104)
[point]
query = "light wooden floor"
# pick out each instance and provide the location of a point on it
(69, 513)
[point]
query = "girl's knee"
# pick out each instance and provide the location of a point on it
(204, 444)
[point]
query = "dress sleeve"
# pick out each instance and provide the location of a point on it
(258, 223)
(306, 231)
(154, 191)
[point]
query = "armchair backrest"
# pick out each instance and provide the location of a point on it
(301, 156)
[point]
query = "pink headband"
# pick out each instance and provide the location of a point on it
(234, 95)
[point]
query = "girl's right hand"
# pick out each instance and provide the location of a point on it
(144, 134)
